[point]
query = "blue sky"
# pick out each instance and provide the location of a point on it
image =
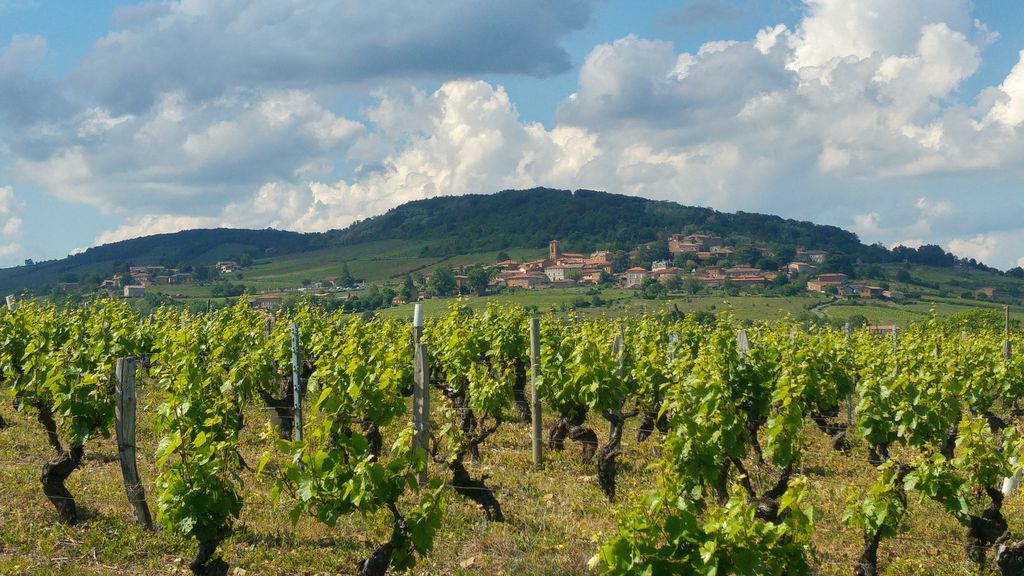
(902, 121)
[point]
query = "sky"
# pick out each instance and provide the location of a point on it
(900, 120)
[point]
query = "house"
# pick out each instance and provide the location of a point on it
(893, 294)
(227, 266)
(711, 277)
(134, 291)
(815, 256)
(738, 271)
(665, 274)
(987, 292)
(693, 243)
(823, 281)
(883, 328)
(555, 273)
(870, 292)
(680, 247)
(526, 280)
(722, 252)
(507, 265)
(591, 275)
(600, 259)
(660, 265)
(635, 276)
(797, 268)
(266, 302)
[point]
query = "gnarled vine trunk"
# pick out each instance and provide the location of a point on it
(284, 407)
(54, 474)
(475, 490)
(1010, 558)
(652, 421)
(867, 564)
(570, 425)
(44, 414)
(606, 456)
(986, 529)
(519, 393)
(203, 563)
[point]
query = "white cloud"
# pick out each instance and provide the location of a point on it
(286, 44)
(911, 243)
(1010, 108)
(981, 247)
(10, 222)
(180, 152)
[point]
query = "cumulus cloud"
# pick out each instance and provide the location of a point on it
(205, 48)
(182, 152)
(10, 222)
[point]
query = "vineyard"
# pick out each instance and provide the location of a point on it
(486, 441)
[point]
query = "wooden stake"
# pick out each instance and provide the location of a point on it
(296, 384)
(421, 390)
(536, 416)
(849, 398)
(743, 343)
(124, 412)
(1007, 351)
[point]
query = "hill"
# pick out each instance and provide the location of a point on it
(419, 233)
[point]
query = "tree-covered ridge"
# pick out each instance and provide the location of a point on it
(583, 220)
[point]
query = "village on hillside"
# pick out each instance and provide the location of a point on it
(691, 257)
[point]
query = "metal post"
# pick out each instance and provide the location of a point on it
(536, 416)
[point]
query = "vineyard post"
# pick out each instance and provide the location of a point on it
(1006, 334)
(1012, 483)
(618, 350)
(538, 446)
(296, 384)
(849, 397)
(124, 412)
(743, 343)
(421, 389)
(11, 305)
(269, 327)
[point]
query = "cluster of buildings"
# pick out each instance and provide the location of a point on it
(133, 283)
(558, 269)
(571, 269)
(841, 285)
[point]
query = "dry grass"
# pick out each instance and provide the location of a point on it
(556, 516)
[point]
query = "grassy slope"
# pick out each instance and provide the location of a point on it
(557, 515)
